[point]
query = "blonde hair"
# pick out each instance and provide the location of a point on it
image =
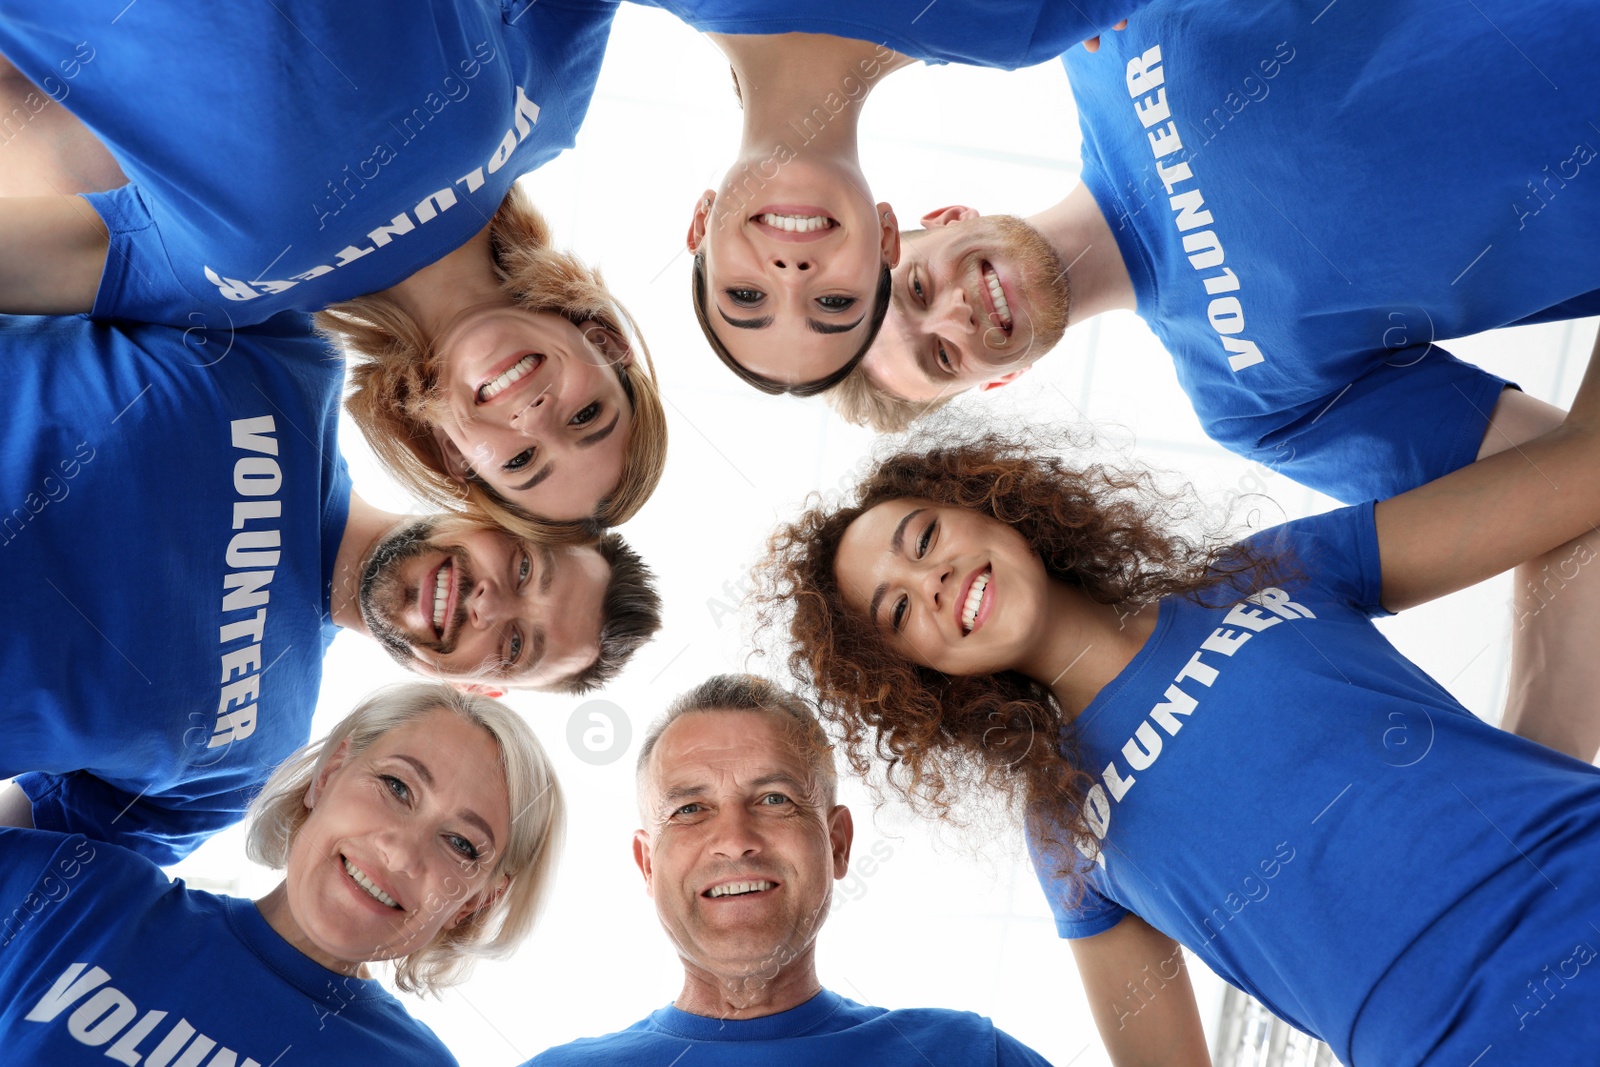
(393, 381)
(538, 821)
(860, 401)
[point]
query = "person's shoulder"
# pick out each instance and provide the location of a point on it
(612, 1048)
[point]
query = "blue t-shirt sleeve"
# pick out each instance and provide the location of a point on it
(1336, 552)
(163, 830)
(27, 860)
(1418, 416)
(138, 282)
(1009, 1052)
(1077, 915)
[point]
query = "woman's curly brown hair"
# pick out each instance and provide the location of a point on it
(1106, 530)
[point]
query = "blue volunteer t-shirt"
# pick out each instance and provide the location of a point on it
(172, 505)
(1283, 792)
(1308, 197)
(824, 1031)
(985, 33)
(101, 956)
(293, 154)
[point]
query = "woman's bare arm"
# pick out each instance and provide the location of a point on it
(1491, 515)
(1139, 992)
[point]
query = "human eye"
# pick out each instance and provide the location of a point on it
(687, 809)
(773, 800)
(397, 788)
(513, 648)
(925, 539)
(464, 848)
(916, 288)
(524, 568)
(586, 415)
(747, 298)
(897, 614)
(519, 461)
(836, 303)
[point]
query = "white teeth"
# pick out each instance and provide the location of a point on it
(796, 223)
(969, 614)
(500, 384)
(441, 595)
(366, 883)
(999, 296)
(737, 888)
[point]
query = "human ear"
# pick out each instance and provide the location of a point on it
(612, 346)
(319, 784)
(1004, 379)
(945, 216)
(697, 222)
(456, 466)
(478, 902)
(841, 832)
(641, 857)
(888, 236)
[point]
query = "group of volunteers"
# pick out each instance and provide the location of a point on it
(987, 622)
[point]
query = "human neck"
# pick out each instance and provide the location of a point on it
(1083, 645)
(1078, 231)
(804, 90)
(736, 997)
(362, 531)
(459, 280)
(274, 907)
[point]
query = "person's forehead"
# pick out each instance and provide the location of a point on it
(725, 747)
(788, 351)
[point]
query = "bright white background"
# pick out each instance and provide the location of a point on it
(929, 926)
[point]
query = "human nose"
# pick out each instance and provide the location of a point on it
(936, 584)
(535, 415)
(400, 848)
(792, 264)
(733, 833)
(951, 312)
(488, 605)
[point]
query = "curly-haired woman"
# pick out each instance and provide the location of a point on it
(300, 155)
(423, 831)
(1212, 745)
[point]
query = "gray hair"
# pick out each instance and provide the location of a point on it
(749, 692)
(538, 821)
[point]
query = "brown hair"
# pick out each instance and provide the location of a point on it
(945, 738)
(393, 381)
(771, 386)
(630, 614)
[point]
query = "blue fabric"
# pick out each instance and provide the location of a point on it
(173, 502)
(986, 33)
(1284, 793)
(1353, 197)
(824, 1031)
(101, 956)
(293, 154)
